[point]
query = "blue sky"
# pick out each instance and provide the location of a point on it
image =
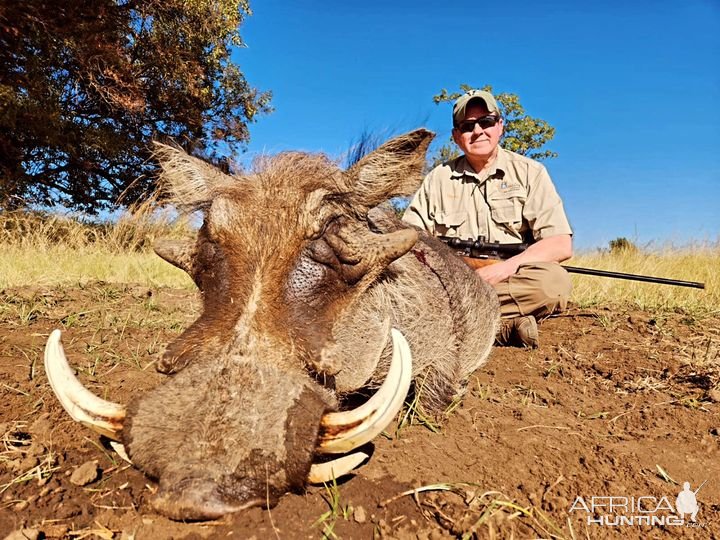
(632, 87)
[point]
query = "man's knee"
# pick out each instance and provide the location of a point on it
(556, 287)
(540, 289)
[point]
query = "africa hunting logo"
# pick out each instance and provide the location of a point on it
(617, 511)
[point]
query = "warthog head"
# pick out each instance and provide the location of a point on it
(307, 292)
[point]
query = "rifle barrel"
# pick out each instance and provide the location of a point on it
(491, 250)
(633, 277)
(699, 488)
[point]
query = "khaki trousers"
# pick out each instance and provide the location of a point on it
(538, 289)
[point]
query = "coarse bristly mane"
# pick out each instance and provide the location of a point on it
(392, 170)
(191, 184)
(366, 143)
(298, 170)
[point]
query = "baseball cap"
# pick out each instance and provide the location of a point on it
(463, 101)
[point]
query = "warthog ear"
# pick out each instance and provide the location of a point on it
(190, 182)
(394, 169)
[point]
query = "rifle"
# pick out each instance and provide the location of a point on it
(479, 253)
(701, 485)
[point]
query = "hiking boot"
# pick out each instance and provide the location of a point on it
(519, 332)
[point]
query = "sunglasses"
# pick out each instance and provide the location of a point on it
(484, 122)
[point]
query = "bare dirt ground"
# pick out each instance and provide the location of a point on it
(614, 404)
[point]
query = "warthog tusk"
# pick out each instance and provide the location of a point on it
(326, 472)
(83, 406)
(346, 430)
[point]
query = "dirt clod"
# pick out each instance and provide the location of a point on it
(359, 514)
(41, 430)
(58, 530)
(85, 474)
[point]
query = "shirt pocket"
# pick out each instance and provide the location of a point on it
(449, 223)
(506, 208)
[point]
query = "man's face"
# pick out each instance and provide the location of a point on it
(479, 143)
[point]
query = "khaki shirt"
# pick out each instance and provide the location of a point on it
(512, 201)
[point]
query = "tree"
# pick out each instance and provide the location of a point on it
(523, 134)
(87, 84)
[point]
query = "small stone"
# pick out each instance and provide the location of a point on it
(23, 534)
(562, 502)
(13, 464)
(41, 429)
(359, 515)
(714, 395)
(30, 462)
(63, 511)
(55, 531)
(85, 474)
(22, 505)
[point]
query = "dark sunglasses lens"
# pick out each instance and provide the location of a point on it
(485, 122)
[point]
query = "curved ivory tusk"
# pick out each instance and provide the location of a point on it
(344, 431)
(83, 406)
(326, 472)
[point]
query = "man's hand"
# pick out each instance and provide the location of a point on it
(550, 249)
(495, 273)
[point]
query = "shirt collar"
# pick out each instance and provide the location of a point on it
(461, 167)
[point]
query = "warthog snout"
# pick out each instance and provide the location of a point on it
(212, 451)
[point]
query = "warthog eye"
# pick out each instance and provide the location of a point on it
(322, 253)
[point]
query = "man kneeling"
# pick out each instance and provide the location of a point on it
(506, 198)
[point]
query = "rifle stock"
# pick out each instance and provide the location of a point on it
(478, 263)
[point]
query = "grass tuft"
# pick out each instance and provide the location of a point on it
(41, 248)
(336, 509)
(689, 263)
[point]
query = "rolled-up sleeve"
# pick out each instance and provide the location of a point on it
(543, 210)
(418, 212)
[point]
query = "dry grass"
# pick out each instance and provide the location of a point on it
(478, 514)
(690, 263)
(26, 461)
(49, 249)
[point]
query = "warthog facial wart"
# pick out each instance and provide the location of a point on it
(311, 292)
